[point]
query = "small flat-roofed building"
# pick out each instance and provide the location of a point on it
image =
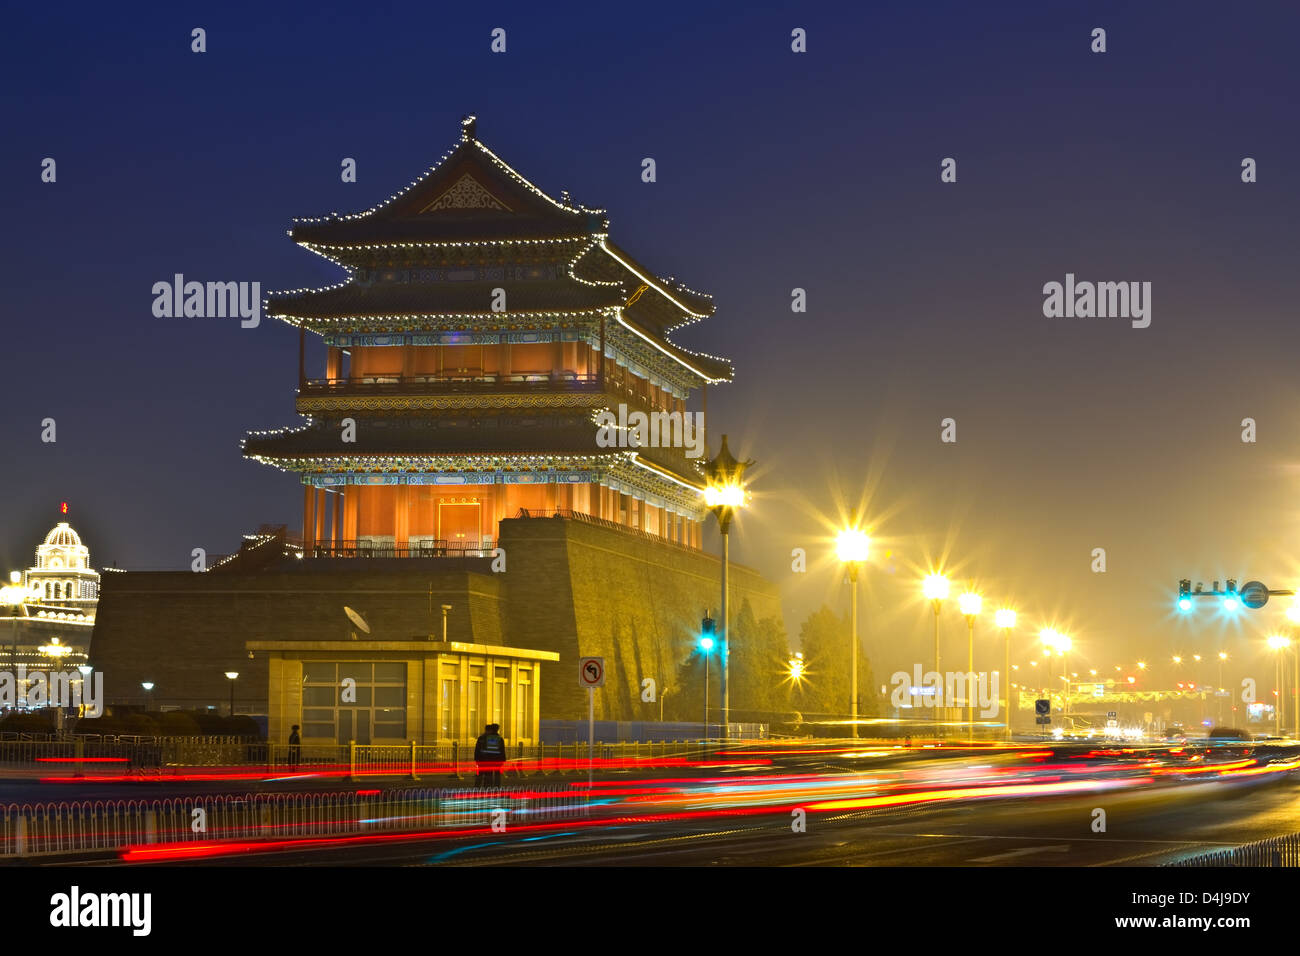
(393, 692)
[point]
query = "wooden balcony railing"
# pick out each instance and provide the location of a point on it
(448, 383)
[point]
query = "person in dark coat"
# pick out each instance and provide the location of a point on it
(295, 746)
(489, 755)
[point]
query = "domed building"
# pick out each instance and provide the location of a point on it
(51, 606)
(63, 576)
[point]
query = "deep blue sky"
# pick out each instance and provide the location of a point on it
(775, 170)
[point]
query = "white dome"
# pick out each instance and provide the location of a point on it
(63, 536)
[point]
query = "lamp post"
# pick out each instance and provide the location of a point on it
(1218, 691)
(1048, 637)
(851, 548)
(1293, 615)
(723, 494)
(14, 595)
(970, 604)
(1278, 643)
(935, 587)
(1005, 618)
(148, 694)
(232, 676)
(706, 645)
(1063, 651)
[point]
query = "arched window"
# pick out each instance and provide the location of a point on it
(47, 590)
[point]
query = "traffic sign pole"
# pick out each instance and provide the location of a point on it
(591, 674)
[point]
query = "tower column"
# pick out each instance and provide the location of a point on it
(320, 508)
(308, 517)
(338, 518)
(401, 516)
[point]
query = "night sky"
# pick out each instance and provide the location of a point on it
(776, 170)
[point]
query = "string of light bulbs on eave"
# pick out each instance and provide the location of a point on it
(487, 154)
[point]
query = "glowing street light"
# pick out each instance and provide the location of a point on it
(725, 494)
(935, 587)
(851, 547)
(55, 649)
(796, 667)
(232, 676)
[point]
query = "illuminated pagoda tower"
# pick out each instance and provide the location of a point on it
(481, 328)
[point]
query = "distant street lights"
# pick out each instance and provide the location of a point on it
(724, 493)
(851, 547)
(970, 604)
(1005, 618)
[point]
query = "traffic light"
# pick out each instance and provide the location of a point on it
(1185, 594)
(708, 632)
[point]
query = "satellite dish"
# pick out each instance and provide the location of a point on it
(356, 619)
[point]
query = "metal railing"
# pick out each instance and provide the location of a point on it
(78, 754)
(451, 383)
(1277, 851)
(108, 825)
(457, 759)
(161, 755)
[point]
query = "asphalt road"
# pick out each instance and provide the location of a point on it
(1142, 829)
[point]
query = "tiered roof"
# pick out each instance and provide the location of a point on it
(473, 208)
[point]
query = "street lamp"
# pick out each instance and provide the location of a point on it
(970, 604)
(796, 667)
(935, 587)
(1063, 645)
(148, 694)
(14, 596)
(724, 492)
(1218, 691)
(851, 547)
(1278, 643)
(232, 676)
(1293, 614)
(1047, 637)
(1005, 618)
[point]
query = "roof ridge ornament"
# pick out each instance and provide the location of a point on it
(468, 123)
